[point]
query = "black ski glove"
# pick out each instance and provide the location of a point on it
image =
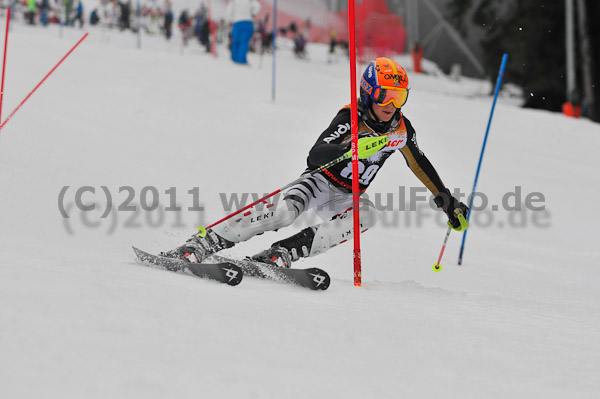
(449, 204)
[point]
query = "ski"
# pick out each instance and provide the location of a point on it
(224, 272)
(313, 278)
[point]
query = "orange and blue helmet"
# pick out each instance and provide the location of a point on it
(384, 81)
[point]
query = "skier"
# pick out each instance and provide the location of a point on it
(383, 130)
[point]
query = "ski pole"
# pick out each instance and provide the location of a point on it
(202, 230)
(437, 266)
(487, 131)
(464, 225)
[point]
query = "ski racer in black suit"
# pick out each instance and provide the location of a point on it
(383, 130)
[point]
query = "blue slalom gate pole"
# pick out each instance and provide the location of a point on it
(487, 131)
(274, 48)
(139, 25)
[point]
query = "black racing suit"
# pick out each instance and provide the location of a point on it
(335, 141)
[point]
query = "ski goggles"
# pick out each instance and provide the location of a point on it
(383, 95)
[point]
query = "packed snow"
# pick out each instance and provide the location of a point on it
(79, 317)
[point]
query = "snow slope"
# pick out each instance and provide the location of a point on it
(79, 318)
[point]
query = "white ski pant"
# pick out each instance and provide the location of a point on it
(332, 205)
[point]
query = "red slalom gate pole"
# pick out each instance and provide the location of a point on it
(354, 132)
(4, 60)
(42, 81)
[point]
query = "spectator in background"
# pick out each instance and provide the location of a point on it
(168, 26)
(293, 28)
(300, 39)
(31, 8)
(202, 27)
(94, 17)
(333, 42)
(266, 37)
(79, 14)
(113, 14)
(241, 13)
(68, 6)
(44, 7)
(184, 23)
(300, 46)
(125, 14)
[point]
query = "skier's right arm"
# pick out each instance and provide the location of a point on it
(335, 142)
(329, 146)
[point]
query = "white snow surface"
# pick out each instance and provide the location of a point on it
(79, 318)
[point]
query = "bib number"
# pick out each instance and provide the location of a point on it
(364, 175)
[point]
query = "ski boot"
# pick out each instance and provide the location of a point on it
(197, 248)
(284, 252)
(277, 256)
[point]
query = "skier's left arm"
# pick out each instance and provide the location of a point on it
(424, 170)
